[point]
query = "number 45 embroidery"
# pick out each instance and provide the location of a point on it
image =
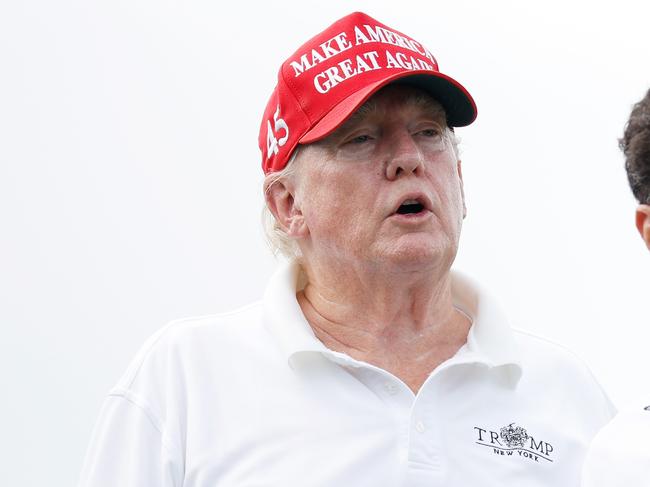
(272, 143)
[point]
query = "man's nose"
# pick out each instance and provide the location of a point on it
(404, 156)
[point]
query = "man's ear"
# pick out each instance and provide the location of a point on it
(280, 198)
(643, 223)
(462, 189)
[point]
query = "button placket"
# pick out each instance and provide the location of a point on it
(425, 454)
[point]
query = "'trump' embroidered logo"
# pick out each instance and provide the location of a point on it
(513, 439)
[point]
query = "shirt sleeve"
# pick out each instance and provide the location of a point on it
(129, 448)
(619, 454)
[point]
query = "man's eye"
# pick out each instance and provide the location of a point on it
(429, 132)
(360, 139)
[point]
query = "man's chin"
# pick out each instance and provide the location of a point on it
(419, 255)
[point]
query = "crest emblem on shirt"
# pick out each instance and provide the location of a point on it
(513, 436)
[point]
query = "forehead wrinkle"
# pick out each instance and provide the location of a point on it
(415, 98)
(369, 109)
(372, 109)
(425, 102)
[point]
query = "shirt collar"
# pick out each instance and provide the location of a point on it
(283, 315)
(490, 340)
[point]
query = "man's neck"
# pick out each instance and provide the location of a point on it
(404, 323)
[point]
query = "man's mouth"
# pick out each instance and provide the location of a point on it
(410, 207)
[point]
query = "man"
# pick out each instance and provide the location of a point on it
(636, 147)
(620, 454)
(368, 363)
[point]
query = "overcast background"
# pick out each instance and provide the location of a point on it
(130, 183)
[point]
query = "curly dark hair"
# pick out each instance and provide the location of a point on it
(635, 144)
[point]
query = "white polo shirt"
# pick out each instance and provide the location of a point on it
(620, 453)
(251, 399)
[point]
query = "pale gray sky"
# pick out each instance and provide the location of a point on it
(130, 183)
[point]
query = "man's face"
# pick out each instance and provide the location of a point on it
(385, 188)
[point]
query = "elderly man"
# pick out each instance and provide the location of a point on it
(620, 454)
(368, 362)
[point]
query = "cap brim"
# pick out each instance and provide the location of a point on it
(458, 103)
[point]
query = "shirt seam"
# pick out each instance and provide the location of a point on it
(166, 329)
(144, 407)
(220, 314)
(612, 409)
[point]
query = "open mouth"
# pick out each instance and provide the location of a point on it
(410, 207)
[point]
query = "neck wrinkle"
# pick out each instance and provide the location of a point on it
(376, 313)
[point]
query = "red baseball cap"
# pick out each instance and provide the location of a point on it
(330, 76)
